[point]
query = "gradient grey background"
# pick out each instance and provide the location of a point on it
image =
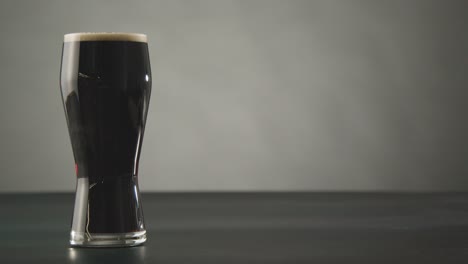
(255, 95)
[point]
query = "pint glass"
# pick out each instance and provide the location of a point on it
(106, 85)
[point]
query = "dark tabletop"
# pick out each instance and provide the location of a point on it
(252, 228)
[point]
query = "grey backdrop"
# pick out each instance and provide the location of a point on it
(255, 95)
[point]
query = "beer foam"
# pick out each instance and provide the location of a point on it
(105, 36)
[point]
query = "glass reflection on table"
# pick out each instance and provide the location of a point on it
(134, 255)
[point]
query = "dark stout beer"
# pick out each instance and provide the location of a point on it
(106, 86)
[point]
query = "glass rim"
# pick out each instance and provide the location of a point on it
(105, 36)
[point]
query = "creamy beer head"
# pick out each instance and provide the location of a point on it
(105, 36)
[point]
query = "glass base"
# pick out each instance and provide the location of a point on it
(81, 239)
